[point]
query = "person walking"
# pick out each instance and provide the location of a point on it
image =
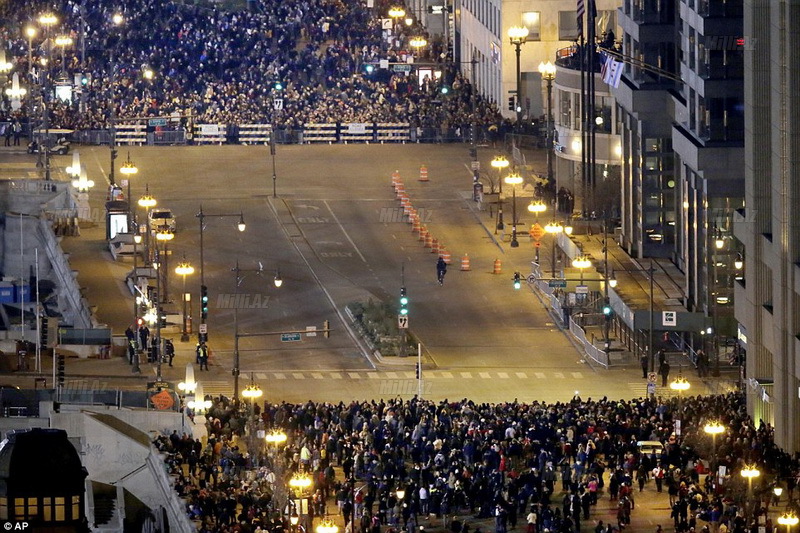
(7, 132)
(643, 360)
(441, 270)
(17, 132)
(202, 355)
(169, 350)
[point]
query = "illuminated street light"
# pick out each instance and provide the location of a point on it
(184, 269)
(517, 36)
(789, 520)
(514, 179)
(327, 526)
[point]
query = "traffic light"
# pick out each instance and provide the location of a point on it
(278, 86)
(60, 370)
(517, 281)
(511, 106)
(203, 303)
(84, 80)
(327, 327)
(445, 89)
(607, 309)
(403, 301)
(416, 369)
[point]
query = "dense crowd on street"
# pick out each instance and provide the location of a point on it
(538, 466)
(230, 67)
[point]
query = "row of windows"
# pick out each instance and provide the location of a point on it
(487, 14)
(46, 509)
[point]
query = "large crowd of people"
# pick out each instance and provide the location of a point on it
(230, 67)
(534, 465)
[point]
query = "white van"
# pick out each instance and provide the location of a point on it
(649, 447)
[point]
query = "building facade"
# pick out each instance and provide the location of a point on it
(768, 295)
(681, 109)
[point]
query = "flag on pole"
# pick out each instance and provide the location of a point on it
(581, 11)
(611, 71)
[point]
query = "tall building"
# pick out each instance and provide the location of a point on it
(681, 108)
(768, 296)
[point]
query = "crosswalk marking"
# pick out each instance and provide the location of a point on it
(354, 375)
(577, 375)
(431, 374)
(559, 375)
(391, 375)
(467, 375)
(540, 375)
(521, 375)
(410, 375)
(316, 375)
(336, 375)
(484, 375)
(372, 375)
(261, 375)
(279, 375)
(502, 375)
(447, 375)
(298, 375)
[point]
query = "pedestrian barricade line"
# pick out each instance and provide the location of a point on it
(209, 133)
(317, 133)
(255, 134)
(386, 132)
(130, 134)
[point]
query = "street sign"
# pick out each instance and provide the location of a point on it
(277, 104)
(402, 321)
(651, 389)
(537, 232)
(669, 318)
(203, 328)
(582, 289)
(290, 337)
(311, 331)
(157, 122)
(476, 165)
(401, 68)
(651, 377)
(557, 283)
(537, 244)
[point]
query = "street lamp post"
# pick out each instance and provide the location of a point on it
(749, 472)
(553, 228)
(63, 41)
(30, 33)
(47, 20)
(789, 520)
(517, 35)
(128, 169)
(514, 179)
(714, 429)
(396, 13)
(147, 202)
(680, 385)
(117, 20)
(499, 163)
(252, 392)
(184, 269)
(137, 239)
(537, 208)
(162, 236)
(548, 71)
(238, 272)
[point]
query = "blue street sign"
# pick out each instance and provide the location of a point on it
(290, 337)
(557, 283)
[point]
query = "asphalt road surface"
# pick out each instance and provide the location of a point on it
(335, 233)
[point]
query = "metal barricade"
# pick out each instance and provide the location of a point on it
(130, 134)
(356, 132)
(255, 133)
(209, 133)
(392, 132)
(168, 137)
(317, 133)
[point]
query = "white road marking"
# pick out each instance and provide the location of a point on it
(354, 375)
(484, 375)
(298, 375)
(447, 375)
(317, 375)
(502, 375)
(540, 375)
(261, 375)
(559, 375)
(336, 375)
(521, 375)
(344, 231)
(279, 375)
(577, 375)
(467, 375)
(391, 375)
(373, 375)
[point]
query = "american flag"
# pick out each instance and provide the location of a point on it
(581, 11)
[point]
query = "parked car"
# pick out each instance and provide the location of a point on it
(161, 217)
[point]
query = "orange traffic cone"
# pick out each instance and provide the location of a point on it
(498, 267)
(465, 263)
(423, 232)
(428, 241)
(446, 256)
(395, 178)
(423, 173)
(415, 225)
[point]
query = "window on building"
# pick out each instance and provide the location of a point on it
(565, 115)
(3, 508)
(533, 21)
(567, 25)
(76, 507)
